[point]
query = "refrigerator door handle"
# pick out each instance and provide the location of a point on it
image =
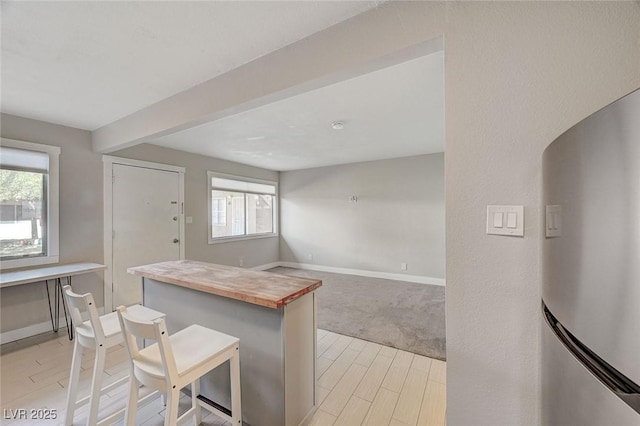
(613, 379)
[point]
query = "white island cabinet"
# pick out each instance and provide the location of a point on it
(274, 316)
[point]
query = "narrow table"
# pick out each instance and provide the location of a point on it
(54, 273)
(274, 316)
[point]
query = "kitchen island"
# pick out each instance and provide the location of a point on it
(274, 316)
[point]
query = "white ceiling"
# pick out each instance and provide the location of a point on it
(86, 64)
(394, 112)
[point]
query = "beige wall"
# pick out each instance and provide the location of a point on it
(80, 217)
(517, 75)
(254, 252)
(398, 218)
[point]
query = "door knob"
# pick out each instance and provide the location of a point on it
(175, 218)
(176, 241)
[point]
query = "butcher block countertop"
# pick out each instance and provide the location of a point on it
(260, 288)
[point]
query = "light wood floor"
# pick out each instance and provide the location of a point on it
(359, 382)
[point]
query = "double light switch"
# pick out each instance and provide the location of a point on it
(505, 220)
(511, 220)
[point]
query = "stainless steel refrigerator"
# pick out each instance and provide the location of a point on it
(591, 271)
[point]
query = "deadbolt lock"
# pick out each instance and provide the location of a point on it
(176, 241)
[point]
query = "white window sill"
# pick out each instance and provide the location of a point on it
(241, 238)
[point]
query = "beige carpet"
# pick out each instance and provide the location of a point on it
(393, 313)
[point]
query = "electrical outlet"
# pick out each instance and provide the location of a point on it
(403, 266)
(241, 261)
(310, 256)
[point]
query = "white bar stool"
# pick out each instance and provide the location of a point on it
(98, 333)
(176, 361)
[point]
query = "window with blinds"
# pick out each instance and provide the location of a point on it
(28, 211)
(241, 207)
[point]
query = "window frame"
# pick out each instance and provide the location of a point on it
(52, 195)
(230, 238)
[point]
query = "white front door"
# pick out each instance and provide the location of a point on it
(147, 213)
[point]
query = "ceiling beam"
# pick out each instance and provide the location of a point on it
(387, 35)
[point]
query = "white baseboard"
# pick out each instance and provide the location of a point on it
(35, 329)
(418, 279)
(266, 266)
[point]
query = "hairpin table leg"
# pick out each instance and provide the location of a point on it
(54, 312)
(46, 285)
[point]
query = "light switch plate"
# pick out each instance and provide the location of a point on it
(553, 221)
(507, 227)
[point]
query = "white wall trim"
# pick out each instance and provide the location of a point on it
(109, 159)
(418, 279)
(265, 266)
(35, 329)
(107, 181)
